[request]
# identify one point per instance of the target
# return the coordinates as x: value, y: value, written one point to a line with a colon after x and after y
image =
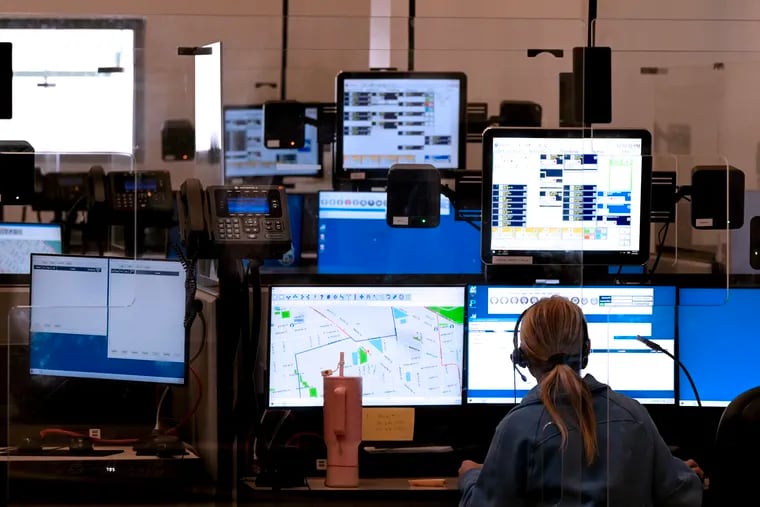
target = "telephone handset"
x: 192, y: 213
x: 240, y: 221
x: 140, y: 191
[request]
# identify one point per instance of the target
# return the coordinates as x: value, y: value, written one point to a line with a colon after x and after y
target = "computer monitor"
x: 387, y: 118
x: 715, y: 322
x: 615, y: 316
x: 107, y: 318
x: 246, y: 156
x: 354, y: 238
x: 405, y: 342
x: 566, y: 196
x: 18, y: 241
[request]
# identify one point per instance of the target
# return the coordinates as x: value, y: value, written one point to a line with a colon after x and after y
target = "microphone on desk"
x: 652, y: 345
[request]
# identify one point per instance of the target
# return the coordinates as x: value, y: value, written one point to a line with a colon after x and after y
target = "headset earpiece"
x: 586, y: 343
x: 517, y: 356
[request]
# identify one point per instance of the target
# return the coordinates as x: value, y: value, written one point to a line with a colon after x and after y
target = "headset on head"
x: 520, y: 359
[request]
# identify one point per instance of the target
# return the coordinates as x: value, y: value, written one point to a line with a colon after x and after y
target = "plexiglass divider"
x: 690, y: 97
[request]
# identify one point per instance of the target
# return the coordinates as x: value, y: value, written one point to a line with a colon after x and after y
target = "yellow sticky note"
x: 387, y: 424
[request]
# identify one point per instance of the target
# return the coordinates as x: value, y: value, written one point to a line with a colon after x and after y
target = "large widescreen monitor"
x: 566, y: 196
x: 354, y: 238
x: 615, y: 316
x: 246, y: 156
x: 714, y: 322
x: 19, y: 240
x: 108, y: 318
x: 405, y: 342
x: 387, y: 118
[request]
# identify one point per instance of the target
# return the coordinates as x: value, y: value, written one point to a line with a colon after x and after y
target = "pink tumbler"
x: 343, y: 429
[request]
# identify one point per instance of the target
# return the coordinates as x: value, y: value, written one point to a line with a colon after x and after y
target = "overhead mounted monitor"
x: 246, y: 156
x: 405, y: 342
x: 387, y: 118
x: 615, y: 316
x: 108, y: 319
x: 566, y: 196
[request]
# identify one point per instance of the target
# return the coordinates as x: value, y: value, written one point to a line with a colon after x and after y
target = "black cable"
x: 662, y: 235
x: 204, y: 335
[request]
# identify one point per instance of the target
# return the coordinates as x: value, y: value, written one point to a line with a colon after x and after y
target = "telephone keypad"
x: 248, y: 227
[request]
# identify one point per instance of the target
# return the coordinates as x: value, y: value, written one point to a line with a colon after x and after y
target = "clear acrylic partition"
x: 509, y: 56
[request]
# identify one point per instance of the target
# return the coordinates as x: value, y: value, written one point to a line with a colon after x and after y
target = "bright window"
x: 73, y: 84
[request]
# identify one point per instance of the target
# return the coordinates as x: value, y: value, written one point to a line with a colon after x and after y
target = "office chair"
x: 736, y: 468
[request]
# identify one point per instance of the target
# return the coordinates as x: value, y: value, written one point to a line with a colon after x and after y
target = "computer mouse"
x: 80, y: 445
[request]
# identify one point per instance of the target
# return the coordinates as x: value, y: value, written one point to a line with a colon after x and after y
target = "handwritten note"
x: 388, y: 424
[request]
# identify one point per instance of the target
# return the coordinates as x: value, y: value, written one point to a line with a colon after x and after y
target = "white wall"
x: 324, y: 37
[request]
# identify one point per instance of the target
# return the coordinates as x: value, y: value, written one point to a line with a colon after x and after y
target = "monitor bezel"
x: 362, y: 174
x: 676, y: 339
x: 568, y: 257
x: 11, y: 279
x: 268, y: 177
x: 186, y: 333
x: 267, y: 377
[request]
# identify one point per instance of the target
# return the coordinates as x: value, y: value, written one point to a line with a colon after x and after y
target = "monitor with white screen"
x: 19, y: 240
x: 387, y: 118
x: 354, y: 238
x: 615, y: 316
x: 714, y: 322
x: 405, y: 342
x: 246, y: 156
x: 108, y: 318
x: 566, y: 196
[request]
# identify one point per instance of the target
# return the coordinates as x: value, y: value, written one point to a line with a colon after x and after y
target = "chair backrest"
x: 736, y: 468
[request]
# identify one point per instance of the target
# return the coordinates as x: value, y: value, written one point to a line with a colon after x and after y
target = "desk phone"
x: 140, y: 191
x: 248, y: 221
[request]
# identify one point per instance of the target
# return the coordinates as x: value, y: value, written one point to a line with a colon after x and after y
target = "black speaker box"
x: 17, y: 176
x: 6, y: 80
x: 520, y: 113
x: 177, y: 140
x: 592, y: 84
x: 717, y: 197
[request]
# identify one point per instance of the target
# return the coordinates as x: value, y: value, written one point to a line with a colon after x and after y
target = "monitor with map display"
x: 18, y: 241
x: 405, y: 342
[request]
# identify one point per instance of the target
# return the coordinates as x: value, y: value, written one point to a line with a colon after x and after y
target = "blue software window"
x: 615, y: 316
x: 354, y: 238
x: 713, y: 323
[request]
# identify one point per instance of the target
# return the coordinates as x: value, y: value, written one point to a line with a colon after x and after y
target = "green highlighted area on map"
x: 453, y: 313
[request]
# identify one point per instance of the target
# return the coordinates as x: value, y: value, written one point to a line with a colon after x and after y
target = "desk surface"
x: 371, y: 484
x: 127, y: 454
x: 384, y: 484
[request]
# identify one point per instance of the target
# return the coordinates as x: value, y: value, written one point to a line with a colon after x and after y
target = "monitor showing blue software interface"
x: 566, y: 196
x: 718, y: 343
x: 245, y: 155
x: 405, y: 342
x: 615, y: 316
x: 354, y: 238
x: 106, y: 318
x: 19, y: 240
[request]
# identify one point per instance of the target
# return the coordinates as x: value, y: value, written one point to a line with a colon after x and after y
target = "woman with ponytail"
x: 572, y: 440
